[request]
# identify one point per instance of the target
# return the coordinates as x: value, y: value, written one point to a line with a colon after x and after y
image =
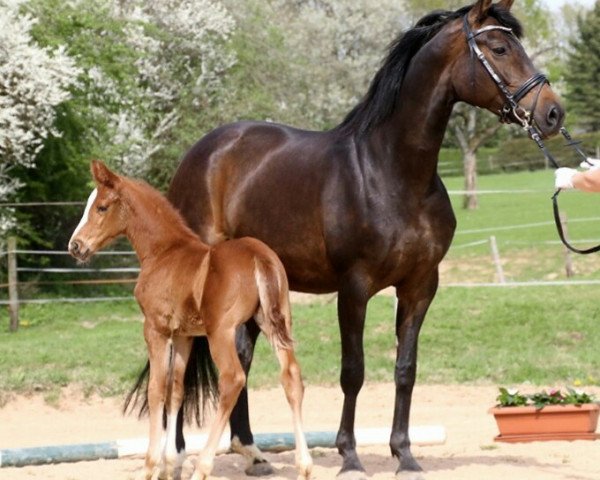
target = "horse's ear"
x: 102, y: 175
x: 506, y: 4
x: 479, y: 11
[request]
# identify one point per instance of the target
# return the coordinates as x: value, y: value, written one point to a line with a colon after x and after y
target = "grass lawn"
x: 546, y: 336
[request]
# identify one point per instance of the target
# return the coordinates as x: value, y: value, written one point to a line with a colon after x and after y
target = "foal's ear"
x: 479, y: 11
x: 506, y: 4
x: 102, y: 175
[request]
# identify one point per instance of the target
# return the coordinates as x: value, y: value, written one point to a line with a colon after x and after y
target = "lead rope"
x: 533, y: 133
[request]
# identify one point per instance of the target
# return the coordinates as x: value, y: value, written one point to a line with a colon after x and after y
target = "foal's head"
x: 104, y: 218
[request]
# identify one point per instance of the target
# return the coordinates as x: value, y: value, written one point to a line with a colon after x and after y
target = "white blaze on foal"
x: 86, y: 214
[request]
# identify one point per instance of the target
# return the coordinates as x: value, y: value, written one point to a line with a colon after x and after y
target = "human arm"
x: 587, y: 181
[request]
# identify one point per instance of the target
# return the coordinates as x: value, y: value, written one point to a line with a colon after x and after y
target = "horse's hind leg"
x: 231, y: 382
x: 242, y: 440
x: 413, y: 302
x: 291, y: 380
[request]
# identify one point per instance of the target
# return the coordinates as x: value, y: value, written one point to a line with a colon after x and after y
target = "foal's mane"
x: 138, y: 190
x: 380, y: 100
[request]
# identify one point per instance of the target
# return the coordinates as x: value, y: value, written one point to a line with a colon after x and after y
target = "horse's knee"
x: 405, y: 374
x: 352, y: 377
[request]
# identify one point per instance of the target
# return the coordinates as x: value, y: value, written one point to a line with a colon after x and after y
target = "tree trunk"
x: 470, y: 171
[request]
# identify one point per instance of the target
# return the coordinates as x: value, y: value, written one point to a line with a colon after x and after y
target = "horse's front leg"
x: 158, y: 353
x: 174, y: 445
x: 231, y: 382
x: 352, y: 306
x: 413, y: 302
x: 242, y: 440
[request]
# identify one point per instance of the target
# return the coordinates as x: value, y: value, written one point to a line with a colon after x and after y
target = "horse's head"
x: 103, y: 218
x: 492, y: 70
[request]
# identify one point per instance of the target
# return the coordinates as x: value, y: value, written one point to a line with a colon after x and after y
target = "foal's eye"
x: 499, y: 50
x: 101, y: 208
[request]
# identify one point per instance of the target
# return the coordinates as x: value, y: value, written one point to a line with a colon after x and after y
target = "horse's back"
x: 218, y: 166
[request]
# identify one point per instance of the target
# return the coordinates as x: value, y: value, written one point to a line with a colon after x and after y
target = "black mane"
x: 380, y: 100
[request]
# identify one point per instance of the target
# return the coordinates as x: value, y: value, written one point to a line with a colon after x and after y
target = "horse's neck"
x: 415, y: 130
x: 154, y: 228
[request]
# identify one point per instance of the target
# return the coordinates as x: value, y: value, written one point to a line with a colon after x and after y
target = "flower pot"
x: 554, y: 422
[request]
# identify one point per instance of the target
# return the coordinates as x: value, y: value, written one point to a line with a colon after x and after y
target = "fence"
x: 14, y: 301
x: 498, y: 257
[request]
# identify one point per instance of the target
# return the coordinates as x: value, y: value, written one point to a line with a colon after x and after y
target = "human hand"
x: 590, y: 164
x: 563, y: 177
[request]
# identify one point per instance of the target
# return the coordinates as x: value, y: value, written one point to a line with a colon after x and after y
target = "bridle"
x: 526, y: 117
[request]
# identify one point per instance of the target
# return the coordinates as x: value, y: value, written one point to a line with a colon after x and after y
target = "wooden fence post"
x: 497, y: 261
x: 13, y: 292
x: 568, y: 260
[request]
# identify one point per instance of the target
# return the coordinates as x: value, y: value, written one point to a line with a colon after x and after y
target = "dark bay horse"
x: 361, y: 207
x: 188, y: 289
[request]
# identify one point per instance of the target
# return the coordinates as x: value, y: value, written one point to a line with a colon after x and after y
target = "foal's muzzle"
x: 78, y: 250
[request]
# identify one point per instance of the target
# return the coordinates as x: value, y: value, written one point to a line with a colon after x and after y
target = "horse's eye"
x: 102, y: 208
x: 499, y: 50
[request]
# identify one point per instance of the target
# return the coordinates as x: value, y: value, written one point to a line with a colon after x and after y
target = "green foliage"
x: 541, y: 399
x: 511, y: 398
x: 583, y: 72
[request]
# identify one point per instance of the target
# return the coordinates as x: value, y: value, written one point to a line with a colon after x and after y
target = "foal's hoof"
x: 352, y: 475
x: 259, y: 468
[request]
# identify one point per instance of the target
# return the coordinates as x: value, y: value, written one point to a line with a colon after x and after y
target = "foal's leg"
x: 352, y: 306
x: 242, y: 440
x: 158, y: 354
x: 291, y: 380
x: 413, y: 302
x: 231, y: 382
x: 174, y: 453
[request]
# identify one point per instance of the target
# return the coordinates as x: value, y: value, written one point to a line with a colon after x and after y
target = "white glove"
x: 595, y: 164
x: 564, y: 177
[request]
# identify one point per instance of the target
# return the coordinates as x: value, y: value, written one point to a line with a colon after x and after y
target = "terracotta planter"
x: 555, y: 422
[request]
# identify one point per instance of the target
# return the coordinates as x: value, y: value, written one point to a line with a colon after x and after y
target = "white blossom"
x: 33, y: 81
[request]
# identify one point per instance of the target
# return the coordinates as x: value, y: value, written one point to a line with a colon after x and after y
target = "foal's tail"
x: 274, y: 317
x: 200, y: 383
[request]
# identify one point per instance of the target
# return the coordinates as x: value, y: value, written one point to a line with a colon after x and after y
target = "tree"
x: 583, y: 72
x: 33, y: 81
x: 141, y: 61
x: 472, y: 127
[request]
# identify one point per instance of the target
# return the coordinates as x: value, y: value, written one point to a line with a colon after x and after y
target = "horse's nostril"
x: 552, y: 117
x: 74, y: 246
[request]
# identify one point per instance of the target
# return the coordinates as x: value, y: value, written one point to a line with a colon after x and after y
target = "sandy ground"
x: 469, y: 452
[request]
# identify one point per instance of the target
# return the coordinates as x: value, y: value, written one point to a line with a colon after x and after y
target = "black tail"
x: 201, y: 385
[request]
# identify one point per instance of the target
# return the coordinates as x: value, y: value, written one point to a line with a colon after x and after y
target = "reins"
x: 525, y: 117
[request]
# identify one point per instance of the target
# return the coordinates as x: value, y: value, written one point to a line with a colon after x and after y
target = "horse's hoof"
x: 409, y: 475
x: 352, y: 475
x: 259, y: 468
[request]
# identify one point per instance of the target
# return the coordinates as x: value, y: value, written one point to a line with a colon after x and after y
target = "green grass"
x: 541, y: 335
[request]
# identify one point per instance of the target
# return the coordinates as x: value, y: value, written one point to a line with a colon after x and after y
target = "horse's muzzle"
x: 551, y: 120
x: 78, y: 250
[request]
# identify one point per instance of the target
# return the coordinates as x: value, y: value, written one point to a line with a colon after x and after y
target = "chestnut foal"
x: 186, y: 289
